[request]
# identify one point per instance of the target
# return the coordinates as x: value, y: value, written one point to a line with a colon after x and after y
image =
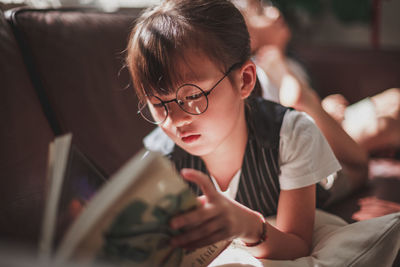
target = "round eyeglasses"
x: 189, y: 97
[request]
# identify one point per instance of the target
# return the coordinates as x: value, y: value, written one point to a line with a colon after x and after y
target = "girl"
x: 251, y: 158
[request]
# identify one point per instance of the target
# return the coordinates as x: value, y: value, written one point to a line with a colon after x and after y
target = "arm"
x: 219, y: 218
x: 292, y: 236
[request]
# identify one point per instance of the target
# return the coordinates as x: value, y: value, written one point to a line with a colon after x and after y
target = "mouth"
x: 190, y: 138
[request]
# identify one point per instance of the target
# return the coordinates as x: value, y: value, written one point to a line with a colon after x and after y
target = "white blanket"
x: 373, y: 242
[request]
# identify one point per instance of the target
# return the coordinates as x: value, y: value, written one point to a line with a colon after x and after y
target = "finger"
x: 202, y: 180
x: 194, y: 217
x: 202, y: 200
x: 208, y: 240
x: 197, y: 233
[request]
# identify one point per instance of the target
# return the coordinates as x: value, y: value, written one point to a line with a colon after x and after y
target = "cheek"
x: 224, y: 107
x: 224, y: 97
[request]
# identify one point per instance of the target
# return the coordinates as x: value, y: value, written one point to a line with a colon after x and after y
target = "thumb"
x: 202, y: 180
x: 202, y: 200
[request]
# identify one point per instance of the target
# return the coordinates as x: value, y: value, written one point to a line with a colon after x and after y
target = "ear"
x: 248, y: 77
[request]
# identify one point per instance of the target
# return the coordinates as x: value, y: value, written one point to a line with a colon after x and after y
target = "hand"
x: 335, y: 105
x: 372, y: 207
x: 217, y: 218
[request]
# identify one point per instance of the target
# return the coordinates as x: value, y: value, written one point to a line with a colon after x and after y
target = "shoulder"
x: 265, y: 119
x: 266, y: 107
x: 299, y: 132
x: 305, y: 156
x: 299, y: 129
x: 159, y: 141
x: 295, y: 122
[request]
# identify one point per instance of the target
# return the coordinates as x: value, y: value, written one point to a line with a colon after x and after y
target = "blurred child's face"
x: 266, y: 26
x: 219, y: 124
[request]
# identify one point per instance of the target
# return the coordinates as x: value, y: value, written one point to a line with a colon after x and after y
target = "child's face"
x: 220, y: 124
x: 266, y: 26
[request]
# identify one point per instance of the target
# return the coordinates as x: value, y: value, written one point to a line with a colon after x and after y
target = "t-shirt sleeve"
x: 305, y: 157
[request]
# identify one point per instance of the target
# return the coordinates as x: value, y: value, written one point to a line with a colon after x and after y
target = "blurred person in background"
x: 284, y: 80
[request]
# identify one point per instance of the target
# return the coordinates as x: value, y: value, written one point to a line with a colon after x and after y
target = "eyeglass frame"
x: 176, y: 100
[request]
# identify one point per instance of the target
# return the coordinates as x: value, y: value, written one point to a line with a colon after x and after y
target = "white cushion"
x: 373, y: 242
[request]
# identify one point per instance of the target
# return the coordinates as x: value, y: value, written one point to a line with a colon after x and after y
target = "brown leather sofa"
x: 62, y: 71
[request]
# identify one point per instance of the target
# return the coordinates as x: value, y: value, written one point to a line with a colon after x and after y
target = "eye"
x: 155, y: 102
x: 158, y: 105
x: 194, y: 96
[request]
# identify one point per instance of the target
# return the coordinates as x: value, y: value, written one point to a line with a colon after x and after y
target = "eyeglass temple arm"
x: 223, y: 77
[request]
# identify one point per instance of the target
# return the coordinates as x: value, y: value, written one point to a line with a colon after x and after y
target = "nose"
x: 177, y: 116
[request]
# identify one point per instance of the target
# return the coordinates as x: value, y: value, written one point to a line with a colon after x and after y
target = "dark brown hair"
x: 164, y: 33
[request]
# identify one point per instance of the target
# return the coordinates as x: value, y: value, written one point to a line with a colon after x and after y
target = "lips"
x: 190, y: 138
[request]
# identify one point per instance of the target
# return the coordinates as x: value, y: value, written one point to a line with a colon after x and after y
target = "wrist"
x: 260, y: 234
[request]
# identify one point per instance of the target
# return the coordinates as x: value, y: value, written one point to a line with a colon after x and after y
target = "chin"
x: 196, y: 150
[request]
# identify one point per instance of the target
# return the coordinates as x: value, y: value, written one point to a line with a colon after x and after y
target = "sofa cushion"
x: 24, y: 138
x: 77, y: 60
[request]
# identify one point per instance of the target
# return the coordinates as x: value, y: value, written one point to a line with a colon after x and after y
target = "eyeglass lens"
x: 190, y: 98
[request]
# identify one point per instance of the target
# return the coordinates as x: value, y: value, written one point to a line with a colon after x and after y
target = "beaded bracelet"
x: 263, y: 235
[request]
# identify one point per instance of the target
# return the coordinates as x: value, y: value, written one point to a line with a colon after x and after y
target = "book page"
x: 71, y: 182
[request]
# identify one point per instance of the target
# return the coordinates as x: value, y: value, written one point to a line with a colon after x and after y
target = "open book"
x: 122, y: 220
